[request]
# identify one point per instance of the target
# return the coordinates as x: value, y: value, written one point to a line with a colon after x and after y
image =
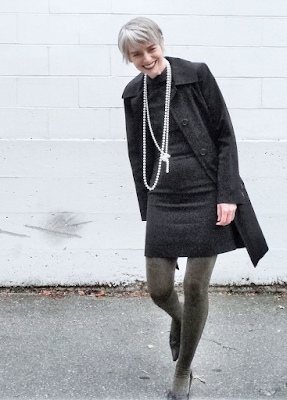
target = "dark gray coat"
x: 199, y: 109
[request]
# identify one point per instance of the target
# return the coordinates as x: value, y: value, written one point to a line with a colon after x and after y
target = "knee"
x: 160, y: 278
x: 194, y: 291
x: 160, y: 295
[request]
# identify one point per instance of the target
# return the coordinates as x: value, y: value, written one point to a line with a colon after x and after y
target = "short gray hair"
x: 137, y: 31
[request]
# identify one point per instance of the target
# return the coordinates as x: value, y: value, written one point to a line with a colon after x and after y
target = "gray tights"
x: 189, y: 320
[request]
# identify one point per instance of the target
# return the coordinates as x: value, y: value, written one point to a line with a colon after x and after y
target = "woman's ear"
x: 162, y: 43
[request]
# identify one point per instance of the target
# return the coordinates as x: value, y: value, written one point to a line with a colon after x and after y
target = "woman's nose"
x: 146, y: 57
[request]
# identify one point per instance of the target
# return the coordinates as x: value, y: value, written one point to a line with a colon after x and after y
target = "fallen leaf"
x: 200, y: 378
x: 45, y: 293
x: 102, y: 293
x: 81, y: 293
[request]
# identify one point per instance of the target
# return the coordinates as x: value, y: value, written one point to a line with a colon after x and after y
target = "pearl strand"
x: 163, y: 150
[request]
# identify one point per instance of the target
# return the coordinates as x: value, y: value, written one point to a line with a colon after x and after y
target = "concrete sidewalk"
x: 82, y: 347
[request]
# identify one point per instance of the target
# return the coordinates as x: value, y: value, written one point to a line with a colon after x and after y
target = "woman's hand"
x: 225, y: 213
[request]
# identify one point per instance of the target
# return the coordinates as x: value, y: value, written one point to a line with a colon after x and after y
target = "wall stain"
x: 13, y: 234
x: 62, y: 224
x: 81, y: 223
x: 52, y: 232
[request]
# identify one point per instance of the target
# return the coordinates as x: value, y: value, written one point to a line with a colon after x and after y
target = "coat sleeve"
x: 134, y: 141
x: 230, y: 186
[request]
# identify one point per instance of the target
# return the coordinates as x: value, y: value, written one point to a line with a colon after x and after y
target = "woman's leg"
x: 196, y: 283
x: 160, y: 281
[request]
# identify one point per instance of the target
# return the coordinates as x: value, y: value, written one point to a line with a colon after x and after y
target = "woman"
x: 183, y: 156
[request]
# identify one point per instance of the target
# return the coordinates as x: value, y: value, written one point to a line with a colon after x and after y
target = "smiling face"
x: 147, y: 58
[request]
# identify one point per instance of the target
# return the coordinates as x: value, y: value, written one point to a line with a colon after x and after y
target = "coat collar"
x: 183, y: 72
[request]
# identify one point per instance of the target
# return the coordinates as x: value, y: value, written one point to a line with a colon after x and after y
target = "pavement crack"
x: 220, y: 344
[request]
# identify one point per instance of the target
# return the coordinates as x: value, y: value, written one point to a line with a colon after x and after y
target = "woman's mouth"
x: 150, y: 66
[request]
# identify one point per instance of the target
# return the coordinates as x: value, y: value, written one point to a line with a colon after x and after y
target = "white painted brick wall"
x: 68, y: 210
x: 275, y: 32
x: 101, y: 92
x: 274, y: 93
x: 48, y: 29
x: 69, y: 123
x: 81, y: 7
x: 48, y: 92
x: 8, y: 92
x: 8, y: 31
x: 93, y: 28
x: 23, y: 123
x: 23, y: 60
x: 80, y: 60
x: 261, y: 124
x: 27, y: 6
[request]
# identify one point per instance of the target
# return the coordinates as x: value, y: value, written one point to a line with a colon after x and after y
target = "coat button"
x: 202, y: 152
x: 184, y: 122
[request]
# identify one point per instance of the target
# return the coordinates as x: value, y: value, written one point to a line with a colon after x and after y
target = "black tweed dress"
x: 182, y: 209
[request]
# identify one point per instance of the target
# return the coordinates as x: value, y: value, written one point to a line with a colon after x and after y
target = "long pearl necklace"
x: 163, y: 150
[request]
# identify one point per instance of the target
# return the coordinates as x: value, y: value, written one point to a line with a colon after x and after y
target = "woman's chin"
x: 151, y: 72
x: 156, y: 70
